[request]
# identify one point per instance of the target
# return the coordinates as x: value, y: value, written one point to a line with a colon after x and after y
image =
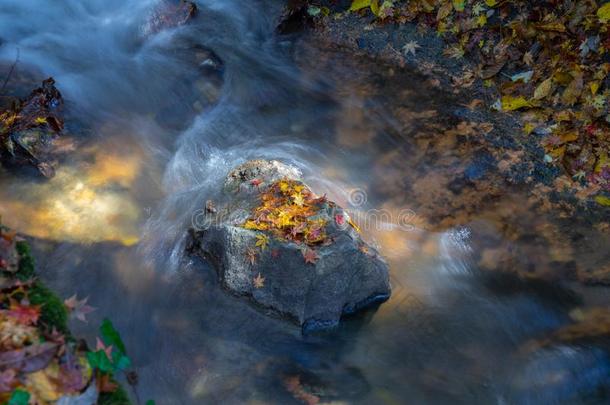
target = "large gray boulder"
x: 291, y: 252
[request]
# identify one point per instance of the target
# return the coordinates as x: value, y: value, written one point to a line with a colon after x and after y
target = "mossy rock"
x: 53, y: 311
x: 55, y: 315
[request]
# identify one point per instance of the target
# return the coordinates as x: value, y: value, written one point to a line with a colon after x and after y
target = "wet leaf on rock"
x: 310, y: 256
x: 262, y: 241
x: 259, y: 281
x: 29, y: 359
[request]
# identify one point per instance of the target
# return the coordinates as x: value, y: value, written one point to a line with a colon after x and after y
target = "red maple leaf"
x: 23, y: 314
x: 256, y: 182
x: 310, y: 256
x: 340, y: 219
x: 298, y: 229
x: 315, y: 233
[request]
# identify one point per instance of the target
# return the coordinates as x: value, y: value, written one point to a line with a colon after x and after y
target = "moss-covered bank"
x: 34, y: 327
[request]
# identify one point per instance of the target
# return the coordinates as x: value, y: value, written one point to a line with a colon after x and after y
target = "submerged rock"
x: 292, y: 252
x: 169, y: 14
x: 27, y: 129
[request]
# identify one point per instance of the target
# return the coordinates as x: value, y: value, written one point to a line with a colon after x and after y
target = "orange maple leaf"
x: 26, y: 315
x: 310, y: 256
x: 251, y: 256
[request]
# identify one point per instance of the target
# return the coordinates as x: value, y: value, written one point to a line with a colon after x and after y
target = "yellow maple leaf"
x: 297, y: 198
x: 510, y: 103
x: 253, y: 225
x: 603, y: 13
x: 284, y: 219
x: 601, y: 200
x: 284, y: 186
x: 262, y: 241
x: 41, y: 384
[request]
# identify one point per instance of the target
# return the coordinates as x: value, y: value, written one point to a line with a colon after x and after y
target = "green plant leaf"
x: 120, y: 361
x: 111, y: 336
x: 99, y: 360
x: 19, y: 397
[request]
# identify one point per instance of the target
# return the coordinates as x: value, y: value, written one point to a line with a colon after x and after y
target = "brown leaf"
x: 574, y: 89
x: 551, y: 26
x: 105, y: 384
x: 29, y: 359
x: 491, y: 70
x: 444, y: 10
x: 544, y: 89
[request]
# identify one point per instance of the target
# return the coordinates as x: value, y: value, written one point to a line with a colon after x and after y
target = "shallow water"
x: 157, y: 132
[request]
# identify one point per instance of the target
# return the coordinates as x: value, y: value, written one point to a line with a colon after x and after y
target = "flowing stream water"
x: 159, y: 123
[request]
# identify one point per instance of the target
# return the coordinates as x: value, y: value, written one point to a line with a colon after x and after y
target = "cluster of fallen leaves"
x: 289, y: 211
x: 40, y: 362
x: 548, y: 59
x: 29, y: 126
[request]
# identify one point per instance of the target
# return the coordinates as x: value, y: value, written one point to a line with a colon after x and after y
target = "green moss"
x: 53, y: 312
x: 118, y: 397
x: 26, y: 262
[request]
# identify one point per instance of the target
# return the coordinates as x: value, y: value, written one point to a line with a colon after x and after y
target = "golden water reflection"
x: 88, y: 201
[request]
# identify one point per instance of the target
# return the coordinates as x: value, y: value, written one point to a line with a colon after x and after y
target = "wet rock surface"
x: 29, y: 127
x: 169, y: 14
x: 312, y: 268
